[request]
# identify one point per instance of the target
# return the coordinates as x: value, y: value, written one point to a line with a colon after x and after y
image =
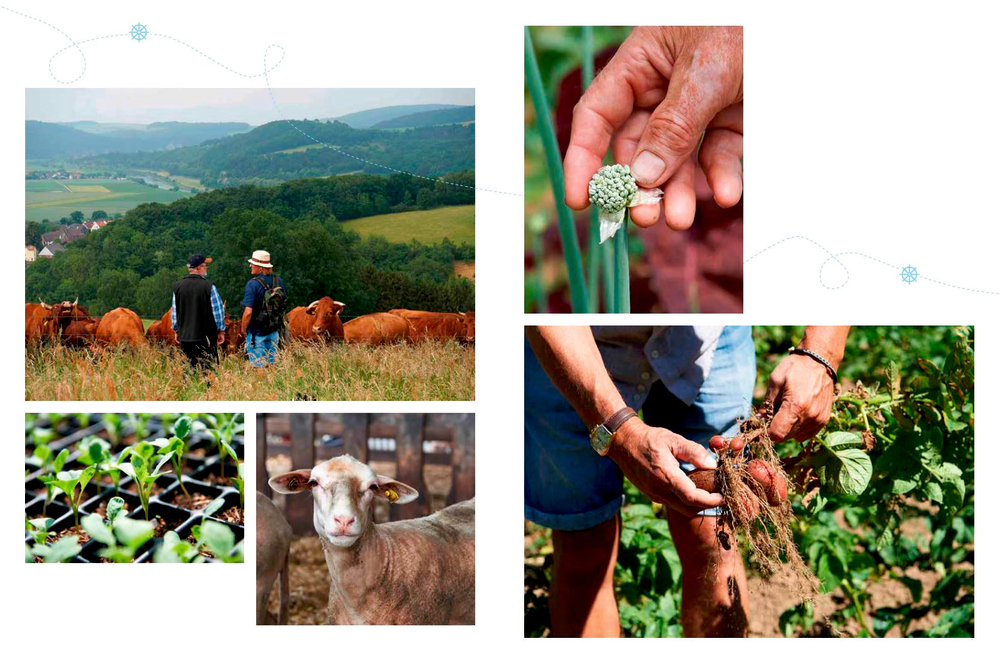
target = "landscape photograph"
x: 250, y: 244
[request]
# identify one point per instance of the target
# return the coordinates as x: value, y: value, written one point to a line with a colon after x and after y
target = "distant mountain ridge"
x: 430, y: 118
x: 45, y: 140
x: 369, y: 118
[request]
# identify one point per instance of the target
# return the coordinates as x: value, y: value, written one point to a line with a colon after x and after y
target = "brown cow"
x: 235, y: 337
x: 377, y: 328
x: 120, y: 325
x: 317, y: 322
x: 45, y: 322
x: 470, y: 326
x: 432, y: 324
x: 160, y: 332
x: 80, y: 333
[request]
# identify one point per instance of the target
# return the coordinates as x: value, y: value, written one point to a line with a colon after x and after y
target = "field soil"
x: 422, y: 371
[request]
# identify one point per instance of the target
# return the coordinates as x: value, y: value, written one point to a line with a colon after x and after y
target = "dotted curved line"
x: 836, y: 256
x: 229, y: 69
x: 72, y: 43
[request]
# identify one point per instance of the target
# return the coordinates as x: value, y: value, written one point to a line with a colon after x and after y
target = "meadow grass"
x: 457, y: 223
x: 422, y: 371
x: 54, y: 199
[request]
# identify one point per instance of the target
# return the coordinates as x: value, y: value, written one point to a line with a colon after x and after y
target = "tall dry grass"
x: 423, y: 371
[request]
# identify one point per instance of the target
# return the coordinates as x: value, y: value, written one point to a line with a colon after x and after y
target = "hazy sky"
x: 142, y: 106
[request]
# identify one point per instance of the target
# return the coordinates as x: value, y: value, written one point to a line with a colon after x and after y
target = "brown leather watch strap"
x: 616, y: 420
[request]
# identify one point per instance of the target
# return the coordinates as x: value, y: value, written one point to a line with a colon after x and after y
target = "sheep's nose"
x: 344, y: 521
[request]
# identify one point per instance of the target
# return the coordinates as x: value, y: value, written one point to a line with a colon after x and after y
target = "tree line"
x: 133, y: 261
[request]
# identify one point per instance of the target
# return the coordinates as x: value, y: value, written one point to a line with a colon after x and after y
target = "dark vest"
x: 195, y: 322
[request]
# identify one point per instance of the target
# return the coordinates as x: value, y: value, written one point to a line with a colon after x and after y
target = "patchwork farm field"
x: 457, y: 223
x: 54, y: 199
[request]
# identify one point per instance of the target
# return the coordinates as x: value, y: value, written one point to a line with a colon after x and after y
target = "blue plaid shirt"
x: 217, y: 311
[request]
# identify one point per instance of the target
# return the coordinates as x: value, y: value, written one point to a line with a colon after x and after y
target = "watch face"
x: 600, y: 439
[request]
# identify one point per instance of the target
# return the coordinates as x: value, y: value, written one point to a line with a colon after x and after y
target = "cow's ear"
x: 396, y: 492
x: 291, y: 482
x: 338, y: 308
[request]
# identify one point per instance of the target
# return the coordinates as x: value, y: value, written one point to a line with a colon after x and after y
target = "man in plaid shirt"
x: 198, y: 315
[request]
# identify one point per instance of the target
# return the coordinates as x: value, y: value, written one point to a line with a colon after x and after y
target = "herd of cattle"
x: 69, y: 323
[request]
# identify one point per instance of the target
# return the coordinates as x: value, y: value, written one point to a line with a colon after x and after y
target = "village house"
x: 30, y: 253
x: 51, y: 250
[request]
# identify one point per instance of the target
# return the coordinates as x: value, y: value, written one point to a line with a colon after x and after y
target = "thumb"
x: 696, y: 93
x: 693, y: 453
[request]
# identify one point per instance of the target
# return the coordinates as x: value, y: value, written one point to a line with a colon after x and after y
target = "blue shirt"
x: 253, y: 295
x: 218, y: 312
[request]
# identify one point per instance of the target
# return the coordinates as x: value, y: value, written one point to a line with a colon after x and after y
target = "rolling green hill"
x: 47, y: 140
x: 367, y: 118
x: 276, y: 152
x: 428, y: 226
x: 430, y: 118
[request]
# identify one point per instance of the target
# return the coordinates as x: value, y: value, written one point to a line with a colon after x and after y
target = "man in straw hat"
x: 264, y: 303
x: 197, y: 314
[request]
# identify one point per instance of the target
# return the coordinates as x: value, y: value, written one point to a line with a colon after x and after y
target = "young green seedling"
x: 101, y: 529
x: 38, y: 528
x: 238, y: 481
x: 177, y: 446
x: 60, y: 551
x: 225, y: 427
x: 113, y: 426
x: 122, y: 538
x: 40, y: 456
x: 52, y: 490
x: 142, y: 470
x: 175, y: 550
x: 73, y: 483
x: 96, y: 453
x: 140, y: 421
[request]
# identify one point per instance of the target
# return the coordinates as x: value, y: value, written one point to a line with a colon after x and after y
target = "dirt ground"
x: 309, y: 579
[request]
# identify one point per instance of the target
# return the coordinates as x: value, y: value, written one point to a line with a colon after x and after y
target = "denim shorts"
x: 568, y: 486
x: 262, y: 348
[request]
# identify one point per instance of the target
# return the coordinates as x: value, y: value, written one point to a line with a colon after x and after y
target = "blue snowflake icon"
x: 909, y: 274
x: 139, y: 32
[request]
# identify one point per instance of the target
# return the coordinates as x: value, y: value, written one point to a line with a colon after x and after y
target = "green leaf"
x: 933, y: 491
x: 95, y: 527
x: 61, y: 550
x: 843, y: 468
x: 214, y: 506
x: 133, y: 533
x: 115, y: 506
x: 182, y: 427
x: 218, y: 538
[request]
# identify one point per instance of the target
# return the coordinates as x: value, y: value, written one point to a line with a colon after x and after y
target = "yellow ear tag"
x: 391, y: 494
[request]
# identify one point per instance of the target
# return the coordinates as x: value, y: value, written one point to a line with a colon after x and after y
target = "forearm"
x: 828, y: 341
x: 246, y: 318
x: 572, y: 361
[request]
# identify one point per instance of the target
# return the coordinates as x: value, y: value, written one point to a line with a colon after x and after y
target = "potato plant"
x: 885, y: 494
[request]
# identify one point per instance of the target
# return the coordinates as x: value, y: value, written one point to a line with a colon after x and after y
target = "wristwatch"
x: 601, y: 435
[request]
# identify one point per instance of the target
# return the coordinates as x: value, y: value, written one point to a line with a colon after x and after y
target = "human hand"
x: 664, y: 87
x: 221, y: 337
x: 650, y: 457
x: 802, y: 392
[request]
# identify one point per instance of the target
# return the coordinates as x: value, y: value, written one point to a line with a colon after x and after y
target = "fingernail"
x: 710, y: 461
x: 647, y: 167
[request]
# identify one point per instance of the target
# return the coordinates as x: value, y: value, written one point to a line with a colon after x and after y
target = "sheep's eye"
x: 312, y: 483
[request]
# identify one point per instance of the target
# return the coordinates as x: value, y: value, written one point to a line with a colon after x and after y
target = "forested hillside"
x: 430, y: 118
x: 133, y: 261
x: 279, y: 151
x: 47, y: 140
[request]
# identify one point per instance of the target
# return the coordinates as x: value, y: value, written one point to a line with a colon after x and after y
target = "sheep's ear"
x: 396, y: 492
x: 290, y: 482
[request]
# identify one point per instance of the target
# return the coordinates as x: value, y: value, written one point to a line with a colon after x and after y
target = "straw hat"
x: 261, y: 259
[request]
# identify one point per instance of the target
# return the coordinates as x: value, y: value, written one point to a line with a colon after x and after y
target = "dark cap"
x: 197, y: 259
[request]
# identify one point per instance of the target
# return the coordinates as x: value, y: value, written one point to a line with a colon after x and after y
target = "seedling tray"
x: 167, y: 504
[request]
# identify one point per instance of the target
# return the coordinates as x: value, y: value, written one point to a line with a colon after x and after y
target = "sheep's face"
x: 343, y: 491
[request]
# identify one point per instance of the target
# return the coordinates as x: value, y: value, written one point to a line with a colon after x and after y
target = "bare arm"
x: 802, y: 389
x: 247, y: 312
x: 648, y: 456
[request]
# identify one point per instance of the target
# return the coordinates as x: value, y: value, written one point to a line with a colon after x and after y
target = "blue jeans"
x: 262, y: 348
x: 568, y: 486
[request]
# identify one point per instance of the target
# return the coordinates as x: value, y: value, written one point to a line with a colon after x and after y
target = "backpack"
x: 271, y: 314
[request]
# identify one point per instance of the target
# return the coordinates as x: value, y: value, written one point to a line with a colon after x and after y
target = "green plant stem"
x: 858, y: 609
x: 553, y: 160
x: 607, y: 263
x: 594, y: 253
x: 622, y: 296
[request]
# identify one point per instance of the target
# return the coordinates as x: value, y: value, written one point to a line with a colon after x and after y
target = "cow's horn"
x: 76, y: 301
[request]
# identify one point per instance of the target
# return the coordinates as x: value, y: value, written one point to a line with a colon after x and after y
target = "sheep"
x: 274, y: 535
x: 419, y: 571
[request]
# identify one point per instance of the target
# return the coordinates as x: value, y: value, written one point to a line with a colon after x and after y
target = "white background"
x: 869, y: 129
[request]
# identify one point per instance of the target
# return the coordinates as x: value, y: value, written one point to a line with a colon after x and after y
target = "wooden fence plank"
x: 410, y: 464
x: 262, y: 455
x: 299, y: 506
x: 355, y: 436
x: 463, y: 482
